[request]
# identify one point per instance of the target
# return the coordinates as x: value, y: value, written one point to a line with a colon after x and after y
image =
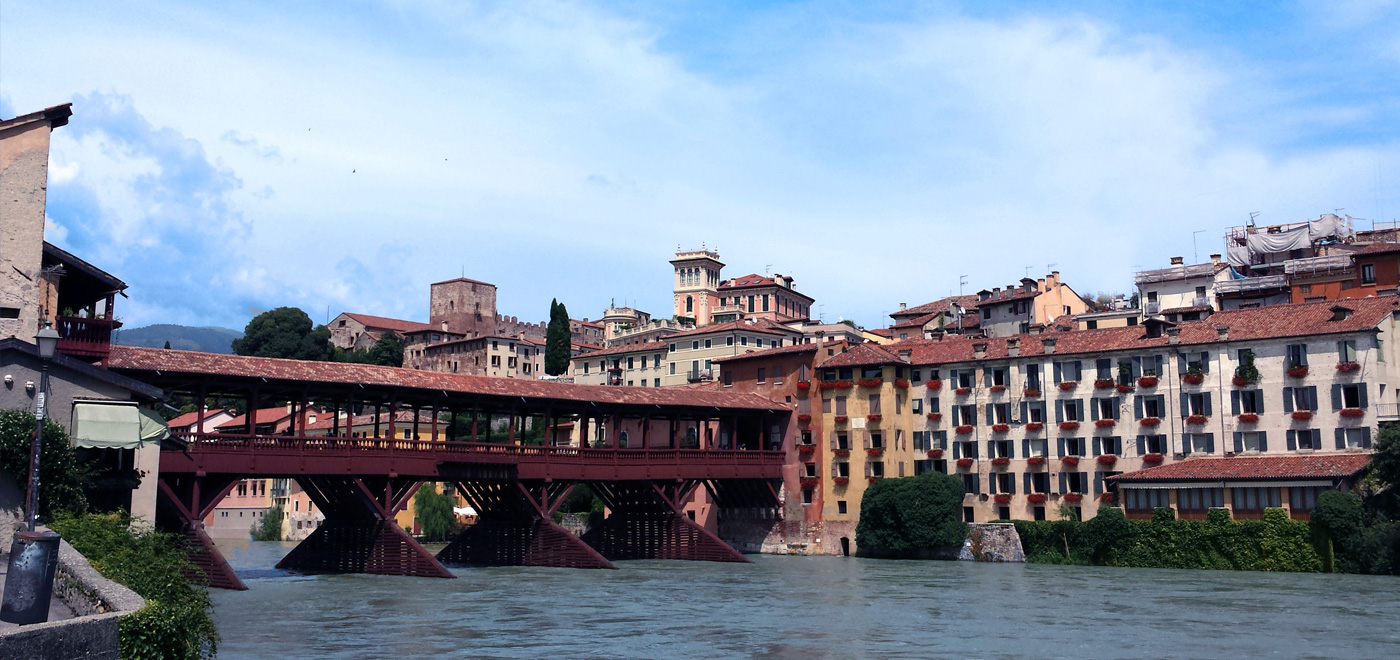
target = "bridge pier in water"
x: 516, y: 527
x: 182, y: 504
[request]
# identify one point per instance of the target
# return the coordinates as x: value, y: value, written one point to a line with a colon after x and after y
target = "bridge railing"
x: 243, y: 443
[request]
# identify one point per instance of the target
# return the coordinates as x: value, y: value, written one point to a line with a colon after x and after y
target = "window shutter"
x: 1185, y: 404
x: 933, y: 404
x: 1094, y: 410
x: 1361, y: 388
x: 1205, y: 404
x: 1259, y: 401
x: 1061, y: 442
x: 1292, y: 437
x: 1142, y: 445
x: 1263, y: 442
x: 1063, y: 478
x: 1210, y: 443
x: 1059, y: 411
x: 1098, y: 447
x: 868, y: 471
x: 1336, y: 397
x: 834, y: 472
x: 874, y: 404
x: 1137, y: 367
x: 1098, y: 483
x: 1026, y: 481
x: 1116, y: 406
x: 1341, y: 351
x: 1312, y: 397
x: 1239, y: 442
x: 1205, y: 361
x: 1137, y: 407
x: 1056, y: 369
x: 1010, y: 449
x: 1341, y: 434
x: 987, y: 376
x: 1011, y: 484
x: 1366, y: 437
x: 1288, y: 399
x: 867, y: 438
x: 1026, y: 447
x: 1234, y: 402
x: 992, y: 484
x: 973, y: 447
x: 834, y: 444
x: 1180, y: 363
x: 990, y: 418
x: 957, y: 450
x: 957, y: 417
x: 1025, y: 412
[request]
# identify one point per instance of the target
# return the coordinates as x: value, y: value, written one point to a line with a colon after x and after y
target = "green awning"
x: 114, y: 425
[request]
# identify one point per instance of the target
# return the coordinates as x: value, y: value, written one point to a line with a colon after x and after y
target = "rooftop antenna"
x: 1028, y: 271
x: 962, y: 280
x: 1050, y: 268
x: 1252, y: 216
x: 766, y: 268
x: 1195, y: 258
x: 821, y: 313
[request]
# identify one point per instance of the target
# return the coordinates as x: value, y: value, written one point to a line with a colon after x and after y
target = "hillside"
x: 183, y: 337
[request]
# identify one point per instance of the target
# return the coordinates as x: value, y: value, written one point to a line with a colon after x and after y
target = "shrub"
x: 175, y: 622
x: 60, y: 476
x: 909, y: 516
x: 269, y: 528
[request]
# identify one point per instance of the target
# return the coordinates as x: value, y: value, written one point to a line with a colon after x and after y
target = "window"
x: 840, y: 506
x: 1354, y: 438
x: 708, y: 343
x: 999, y: 449
x: 1368, y: 273
x: 1188, y: 361
x: 840, y: 405
x: 962, y: 377
x: 994, y: 376
x: 1033, y: 376
x: 1106, y: 407
x: 1297, y: 355
x: 921, y: 441
x: 877, y: 468
x: 1002, y: 482
x: 1037, y: 482
x: 1035, y: 447
x: 1299, y: 398
x: 970, y: 484
x: 826, y: 405
x: 1199, y: 499
x: 917, y: 406
x: 743, y: 341
x: 846, y: 373
x: 1152, y: 444
x: 843, y: 441
x: 872, y: 372
x: 695, y: 344
x: 1108, y: 445
x: 656, y: 382
x: 1250, y: 441
x: 1144, y: 499
x: 629, y: 363
x: 673, y: 368
x: 1033, y: 411
x: 965, y: 415
x: 672, y: 348
x: 1246, y: 401
x: 933, y: 404
x: 1074, y: 482
x: 877, y: 440
x: 998, y: 413
x: 1196, y: 403
x: 1349, y: 396
x: 1067, y: 371
x: 1149, y: 406
x: 1304, y: 439
x: 1304, y: 498
x: 1069, y: 410
x: 729, y: 341
x: 728, y: 377
x: 1071, y: 446
x: 1346, y: 350
x: 806, y: 495
x: 1198, y: 443
x: 777, y: 375
x: 964, y: 449
x: 1103, y: 368
x: 1255, y: 499
x: 762, y: 375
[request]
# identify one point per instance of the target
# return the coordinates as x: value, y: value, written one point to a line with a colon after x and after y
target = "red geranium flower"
x: 1070, y: 460
x: 1000, y: 428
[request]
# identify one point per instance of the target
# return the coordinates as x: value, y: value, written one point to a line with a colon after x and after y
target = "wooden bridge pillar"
x: 516, y: 528
x: 359, y: 534
x: 648, y: 521
x: 181, y: 506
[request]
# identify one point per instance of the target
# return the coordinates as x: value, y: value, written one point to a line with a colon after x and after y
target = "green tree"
x: 285, y: 332
x: 388, y: 351
x: 557, y: 343
x: 911, y: 516
x: 60, y: 475
x: 1385, y: 464
x: 270, y: 527
x: 167, y: 344
x: 433, y: 511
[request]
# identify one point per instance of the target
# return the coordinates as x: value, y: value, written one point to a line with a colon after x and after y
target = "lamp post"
x: 47, y: 339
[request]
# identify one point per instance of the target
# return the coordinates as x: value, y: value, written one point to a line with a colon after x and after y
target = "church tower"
x: 697, y: 283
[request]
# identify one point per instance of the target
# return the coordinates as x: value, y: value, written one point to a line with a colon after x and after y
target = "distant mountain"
x: 183, y: 337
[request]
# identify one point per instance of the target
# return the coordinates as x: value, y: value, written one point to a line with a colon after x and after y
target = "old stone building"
x: 24, y: 177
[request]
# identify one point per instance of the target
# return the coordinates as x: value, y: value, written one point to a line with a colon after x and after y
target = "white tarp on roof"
x: 1293, y: 237
x: 1296, y: 238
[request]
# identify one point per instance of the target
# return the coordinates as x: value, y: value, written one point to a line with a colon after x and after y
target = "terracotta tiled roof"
x: 463, y: 279
x: 771, y: 352
x: 1272, y: 322
x: 188, y: 419
x: 403, y: 417
x: 1020, y: 294
x: 262, y: 416
x: 754, y: 325
x: 752, y: 279
x: 137, y: 360
x: 643, y: 347
x: 1245, y: 468
x: 915, y: 322
x: 590, y: 324
x: 1377, y: 248
x: 385, y: 323
x: 940, y: 305
x: 584, y: 346
x: 882, y: 332
x: 864, y: 355
x: 1187, y: 310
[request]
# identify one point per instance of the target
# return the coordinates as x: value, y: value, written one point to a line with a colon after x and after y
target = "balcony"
x: 696, y: 376
x: 1153, y: 307
x: 1386, y: 412
x: 88, y: 338
x: 1252, y: 285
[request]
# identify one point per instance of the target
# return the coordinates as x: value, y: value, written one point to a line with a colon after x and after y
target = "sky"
x: 229, y: 158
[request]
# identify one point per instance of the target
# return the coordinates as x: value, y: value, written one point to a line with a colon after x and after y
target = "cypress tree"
x: 557, y: 342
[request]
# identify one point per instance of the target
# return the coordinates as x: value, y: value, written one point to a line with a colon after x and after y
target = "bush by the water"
x: 269, y: 526
x: 911, y: 516
x: 1110, y: 539
x: 175, y: 623
x: 1355, y: 537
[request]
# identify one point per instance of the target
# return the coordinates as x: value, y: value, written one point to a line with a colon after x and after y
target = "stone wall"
x: 992, y: 542
x: 24, y: 175
x: 768, y: 536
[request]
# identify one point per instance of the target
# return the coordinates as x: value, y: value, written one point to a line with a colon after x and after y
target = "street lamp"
x: 47, y: 339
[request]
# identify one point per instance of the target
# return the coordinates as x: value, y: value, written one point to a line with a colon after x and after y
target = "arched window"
x: 689, y: 305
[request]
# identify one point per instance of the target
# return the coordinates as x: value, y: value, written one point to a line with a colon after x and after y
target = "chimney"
x: 903, y: 306
x: 979, y: 350
x: 1013, y: 347
x: 996, y: 292
x: 1215, y: 259
x: 1048, y: 343
x: 1177, y: 261
x: 1040, y: 284
x: 1222, y: 332
x: 1034, y: 329
x: 1173, y: 335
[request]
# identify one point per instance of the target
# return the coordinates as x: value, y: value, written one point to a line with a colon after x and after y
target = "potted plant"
x: 1124, y: 389
x: 1105, y: 423
x: 1196, y: 419
x: 804, y: 418
x: 1068, y: 385
x: 1034, y: 426
x: 1148, y: 379
x: 841, y: 452
x: 1107, y: 459
x: 935, y: 417
x: 901, y: 383
x: 1071, y: 461
x: 1152, y: 458
x: 873, y: 417
x: 804, y: 385
x: 1246, y: 372
x: 1031, y: 392
x: 1150, y: 422
x: 808, y: 482
x: 1106, y: 498
x: 841, y: 481
x: 840, y: 419
x: 870, y: 382
x: 963, y: 391
x: 963, y: 430
x: 1001, y: 461
x: 1302, y: 415
x: 1296, y: 370
x: 935, y: 453
x: 1249, y: 418
x: 934, y: 384
x: 996, y: 389
x: 1194, y: 376
x: 1035, y: 461
x: 1347, y: 367
x: 871, y: 480
x: 1103, y: 383
x: 836, y: 385
x: 874, y: 451
x: 1000, y: 428
x: 1002, y: 498
x: 1353, y: 412
x: 1074, y: 497
x: 964, y: 462
x: 1069, y: 426
x: 1036, y: 498
x: 806, y: 449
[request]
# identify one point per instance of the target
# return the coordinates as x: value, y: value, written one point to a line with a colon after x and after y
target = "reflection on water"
x: 804, y: 607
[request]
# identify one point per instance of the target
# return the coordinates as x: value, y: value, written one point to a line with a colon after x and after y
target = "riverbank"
x: 805, y: 607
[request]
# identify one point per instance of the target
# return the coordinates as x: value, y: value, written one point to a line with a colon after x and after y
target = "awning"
x: 114, y: 425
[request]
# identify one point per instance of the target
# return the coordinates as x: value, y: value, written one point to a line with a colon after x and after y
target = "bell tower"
x: 697, y: 274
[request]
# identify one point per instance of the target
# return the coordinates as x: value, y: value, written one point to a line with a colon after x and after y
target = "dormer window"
x: 1340, y: 313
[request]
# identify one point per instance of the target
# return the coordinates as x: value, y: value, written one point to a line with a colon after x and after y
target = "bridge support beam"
x: 648, y: 521
x: 359, y: 534
x: 516, y: 528
x: 181, y: 506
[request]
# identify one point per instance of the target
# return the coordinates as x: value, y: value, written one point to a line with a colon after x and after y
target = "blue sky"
x: 224, y: 159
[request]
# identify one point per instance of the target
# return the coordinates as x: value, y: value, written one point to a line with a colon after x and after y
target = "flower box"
x: 1034, y: 426
x: 806, y: 449
x: 1152, y: 458
x: 1035, y: 461
x: 935, y: 417
x: 935, y: 453
x: 1069, y: 426
x: 1353, y: 412
x: 1194, y: 379
x: 808, y: 482
x: 1106, y: 498
x: 1124, y: 389
x: 1150, y: 421
x: 1297, y: 372
x: 1302, y: 415
x: 1248, y: 418
x: 841, y: 481
x: 901, y: 383
x: 1105, y: 423
x: 1196, y: 419
x: 1000, y: 428
x: 1001, y: 461
x: 840, y: 419
x: 870, y: 382
x: 1347, y: 367
x: 963, y: 430
x: 996, y: 389
x: 836, y: 385
x: 1074, y: 497
x: 1036, y: 498
x: 1103, y: 383
x: 804, y: 418
x: 804, y: 385
x: 964, y: 462
x: 874, y: 451
x: 841, y: 452
x: 1002, y: 498
x: 1031, y: 392
x: 1239, y: 381
x: 963, y: 391
x: 1147, y: 381
x: 1107, y: 459
x: 1068, y: 385
x: 873, y: 417
x: 871, y: 480
x: 934, y: 384
x: 1069, y: 460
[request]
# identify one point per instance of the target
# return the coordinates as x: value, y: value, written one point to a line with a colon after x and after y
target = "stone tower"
x: 463, y: 306
x: 24, y: 180
x: 697, y: 283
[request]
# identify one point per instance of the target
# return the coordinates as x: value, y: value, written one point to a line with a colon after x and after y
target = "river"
x: 804, y: 607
